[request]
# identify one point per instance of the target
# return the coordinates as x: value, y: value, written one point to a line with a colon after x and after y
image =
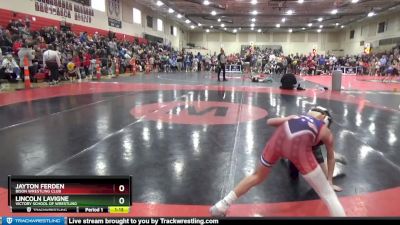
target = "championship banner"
x: 66, y: 9
x: 114, y: 13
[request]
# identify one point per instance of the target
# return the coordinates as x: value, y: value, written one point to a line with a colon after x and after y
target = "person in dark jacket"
x: 288, y: 81
x: 222, y: 62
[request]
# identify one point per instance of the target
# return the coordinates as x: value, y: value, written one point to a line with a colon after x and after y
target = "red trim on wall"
x: 7, y: 15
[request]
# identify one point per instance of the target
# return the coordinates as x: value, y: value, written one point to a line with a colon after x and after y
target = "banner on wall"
x: 114, y: 9
x: 64, y: 9
x: 114, y: 23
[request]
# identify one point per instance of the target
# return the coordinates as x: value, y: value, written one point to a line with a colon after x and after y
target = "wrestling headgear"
x: 325, y: 112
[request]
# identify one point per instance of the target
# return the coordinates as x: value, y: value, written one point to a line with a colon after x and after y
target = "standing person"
x: 222, y: 62
x: 293, y: 139
x: 200, y: 59
x: 86, y: 62
x: 27, y: 51
x: 77, y: 62
x: 51, y: 60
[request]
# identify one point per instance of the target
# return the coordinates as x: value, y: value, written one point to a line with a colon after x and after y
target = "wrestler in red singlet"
x: 294, y: 140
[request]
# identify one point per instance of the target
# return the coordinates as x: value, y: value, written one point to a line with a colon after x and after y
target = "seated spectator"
x: 17, y: 46
x: 10, y: 69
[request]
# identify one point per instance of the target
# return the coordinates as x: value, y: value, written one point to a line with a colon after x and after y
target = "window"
x: 99, y: 5
x: 149, y: 20
x: 381, y: 27
x: 159, y: 25
x: 137, y: 16
x: 352, y: 34
x: 175, y: 31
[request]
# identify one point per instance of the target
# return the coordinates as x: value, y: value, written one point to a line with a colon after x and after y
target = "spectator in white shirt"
x: 51, y: 60
x: 10, y: 67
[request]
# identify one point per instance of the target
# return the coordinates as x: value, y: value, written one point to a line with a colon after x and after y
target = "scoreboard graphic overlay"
x: 87, y: 194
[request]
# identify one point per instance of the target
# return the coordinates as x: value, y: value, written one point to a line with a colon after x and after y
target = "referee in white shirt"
x: 51, y: 60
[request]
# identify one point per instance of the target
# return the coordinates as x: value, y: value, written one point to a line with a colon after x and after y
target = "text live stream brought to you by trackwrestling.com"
x: 177, y: 220
x: 95, y: 221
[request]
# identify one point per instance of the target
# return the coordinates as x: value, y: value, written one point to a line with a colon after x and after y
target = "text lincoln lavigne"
x: 44, y: 200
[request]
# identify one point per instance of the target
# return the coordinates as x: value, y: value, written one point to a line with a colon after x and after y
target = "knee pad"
x: 320, y: 184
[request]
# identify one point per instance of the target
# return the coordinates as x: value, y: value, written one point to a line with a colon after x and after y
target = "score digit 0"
x: 121, y: 200
x: 121, y: 188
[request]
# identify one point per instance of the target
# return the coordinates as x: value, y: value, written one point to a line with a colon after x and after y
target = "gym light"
x: 213, y: 13
x: 320, y: 19
x: 254, y: 12
x: 290, y: 30
x: 278, y: 25
x: 309, y: 25
x: 160, y: 3
x: 253, y: 2
x: 371, y: 14
x: 334, y: 11
x: 179, y: 16
x: 290, y: 12
x: 259, y: 30
x: 206, y: 2
x: 300, y: 1
x: 171, y: 10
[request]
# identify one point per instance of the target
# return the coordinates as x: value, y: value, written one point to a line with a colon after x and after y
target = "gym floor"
x: 187, y: 139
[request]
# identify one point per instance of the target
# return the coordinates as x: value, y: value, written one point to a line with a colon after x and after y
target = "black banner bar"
x: 44, y: 209
x: 219, y: 221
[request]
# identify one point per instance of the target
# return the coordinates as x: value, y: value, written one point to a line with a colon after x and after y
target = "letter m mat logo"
x: 199, y: 112
x: 194, y: 111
